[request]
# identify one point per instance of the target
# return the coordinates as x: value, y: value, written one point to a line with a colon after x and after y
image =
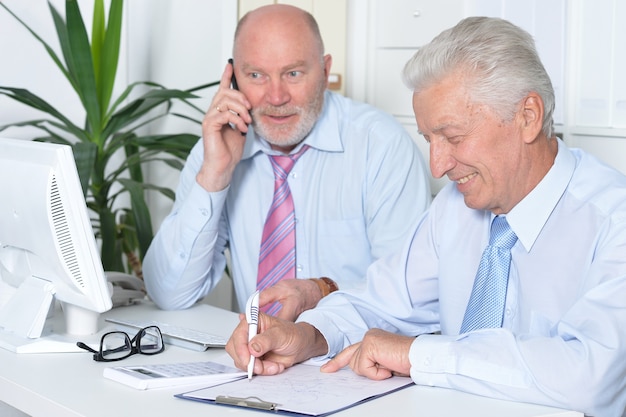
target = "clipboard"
x: 302, y: 390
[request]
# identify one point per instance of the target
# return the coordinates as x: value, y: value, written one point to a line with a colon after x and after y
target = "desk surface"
x: 71, y: 384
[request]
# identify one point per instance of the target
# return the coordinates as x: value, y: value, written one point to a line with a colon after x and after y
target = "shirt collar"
x: 325, y: 135
x: 529, y: 216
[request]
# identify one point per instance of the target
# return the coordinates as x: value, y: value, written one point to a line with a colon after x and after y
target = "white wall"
x: 596, y: 86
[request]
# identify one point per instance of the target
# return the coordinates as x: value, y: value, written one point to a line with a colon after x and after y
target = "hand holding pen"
x: 252, y: 317
x: 278, y: 344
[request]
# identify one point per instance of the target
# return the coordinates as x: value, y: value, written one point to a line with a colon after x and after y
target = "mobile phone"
x: 233, y: 80
x: 234, y: 86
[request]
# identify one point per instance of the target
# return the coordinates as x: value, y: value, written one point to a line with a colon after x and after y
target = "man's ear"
x: 328, y: 61
x: 531, y: 116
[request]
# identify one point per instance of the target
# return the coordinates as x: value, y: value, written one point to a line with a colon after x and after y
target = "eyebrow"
x: 438, y: 128
x: 286, y: 68
x: 294, y: 65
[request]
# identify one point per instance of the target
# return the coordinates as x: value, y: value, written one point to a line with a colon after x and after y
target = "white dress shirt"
x: 563, y: 341
x: 357, y: 192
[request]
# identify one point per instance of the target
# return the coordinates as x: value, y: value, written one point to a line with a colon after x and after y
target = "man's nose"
x: 277, y: 92
x: 441, y: 160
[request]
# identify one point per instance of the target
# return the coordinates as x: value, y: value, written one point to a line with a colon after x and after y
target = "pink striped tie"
x: 277, y: 258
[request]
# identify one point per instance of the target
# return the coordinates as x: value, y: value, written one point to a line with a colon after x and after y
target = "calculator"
x: 173, y: 374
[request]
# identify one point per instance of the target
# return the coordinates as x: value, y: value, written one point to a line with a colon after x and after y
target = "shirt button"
x: 427, y: 361
x: 299, y: 268
x: 204, y: 212
x: 181, y: 255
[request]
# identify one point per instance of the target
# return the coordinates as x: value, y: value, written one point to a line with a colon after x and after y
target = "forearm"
x: 185, y: 259
x: 494, y: 363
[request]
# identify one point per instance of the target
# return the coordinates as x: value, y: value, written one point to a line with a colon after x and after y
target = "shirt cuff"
x: 431, y: 359
x: 327, y: 328
x: 200, y: 208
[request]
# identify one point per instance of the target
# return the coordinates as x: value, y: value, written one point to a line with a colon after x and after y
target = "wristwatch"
x: 326, y: 285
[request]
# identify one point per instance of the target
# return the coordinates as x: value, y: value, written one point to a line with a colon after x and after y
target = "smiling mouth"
x: 465, y: 178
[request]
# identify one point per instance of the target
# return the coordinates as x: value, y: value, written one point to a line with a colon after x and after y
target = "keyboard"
x: 176, y: 335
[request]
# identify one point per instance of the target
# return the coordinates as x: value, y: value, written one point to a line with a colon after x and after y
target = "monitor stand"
x: 52, y: 343
x: 27, y: 325
x: 54, y: 338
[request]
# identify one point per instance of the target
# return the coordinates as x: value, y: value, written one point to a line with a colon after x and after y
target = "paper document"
x: 301, y: 389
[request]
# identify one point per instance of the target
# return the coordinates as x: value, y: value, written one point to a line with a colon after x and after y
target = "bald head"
x: 281, y: 21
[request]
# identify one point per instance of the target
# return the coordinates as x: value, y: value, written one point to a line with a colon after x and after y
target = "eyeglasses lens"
x: 115, y: 345
x: 150, y: 340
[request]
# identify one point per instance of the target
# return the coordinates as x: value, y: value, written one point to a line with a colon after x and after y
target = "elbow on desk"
x: 167, y: 298
x: 160, y: 290
x: 171, y: 289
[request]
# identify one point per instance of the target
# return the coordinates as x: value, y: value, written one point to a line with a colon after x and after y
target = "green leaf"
x: 110, y: 55
x: 63, y: 36
x: 174, y: 163
x: 120, y: 100
x: 178, y: 145
x: 82, y: 68
x: 188, y: 118
x: 97, y: 39
x: 85, y: 156
x: 141, y: 106
x: 110, y: 252
x: 141, y: 214
x: 42, y: 124
x: 127, y: 115
x: 203, y: 86
x: 134, y: 167
x: 53, y: 139
x: 127, y: 231
x: 167, y: 192
x: 31, y: 100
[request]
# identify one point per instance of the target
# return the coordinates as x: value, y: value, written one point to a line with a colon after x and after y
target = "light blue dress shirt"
x: 563, y: 342
x: 357, y: 192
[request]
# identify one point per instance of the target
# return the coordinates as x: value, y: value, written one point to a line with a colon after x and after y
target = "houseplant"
x: 111, y: 127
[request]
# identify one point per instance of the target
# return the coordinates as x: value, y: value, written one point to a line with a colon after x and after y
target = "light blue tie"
x: 486, y: 304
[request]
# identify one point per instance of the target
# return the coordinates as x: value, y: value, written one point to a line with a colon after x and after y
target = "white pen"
x: 252, y: 317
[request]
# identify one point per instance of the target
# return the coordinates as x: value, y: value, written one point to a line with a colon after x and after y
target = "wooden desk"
x: 71, y: 384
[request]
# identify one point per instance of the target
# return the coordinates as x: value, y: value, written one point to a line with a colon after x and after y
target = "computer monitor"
x: 48, y: 251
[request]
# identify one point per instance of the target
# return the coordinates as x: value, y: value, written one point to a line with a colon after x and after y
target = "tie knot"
x: 283, y: 164
x: 501, y: 234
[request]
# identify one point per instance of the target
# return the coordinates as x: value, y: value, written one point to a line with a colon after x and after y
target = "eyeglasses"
x: 115, y: 346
